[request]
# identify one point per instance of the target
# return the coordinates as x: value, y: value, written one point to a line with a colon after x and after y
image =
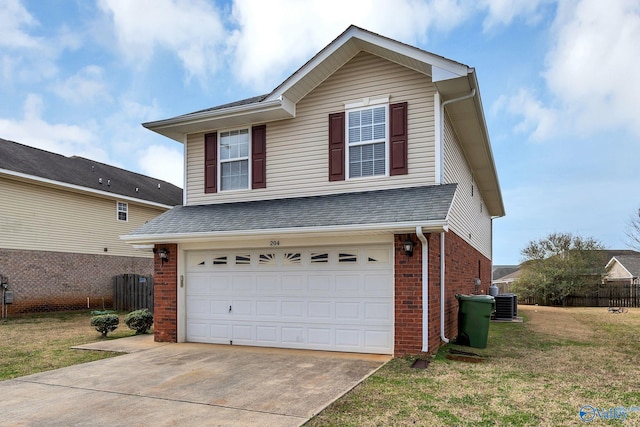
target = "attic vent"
x: 158, y: 186
x: 109, y: 182
x: 93, y: 168
x: 137, y: 189
x: 100, y: 180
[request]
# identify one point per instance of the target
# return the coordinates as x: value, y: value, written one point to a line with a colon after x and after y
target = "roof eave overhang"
x: 240, y: 235
x: 79, y: 189
x: 467, y: 117
x: 260, y: 112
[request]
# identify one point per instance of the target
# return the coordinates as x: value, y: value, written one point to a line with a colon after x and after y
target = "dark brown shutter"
x: 259, y: 156
x: 336, y: 147
x: 210, y: 162
x: 398, y: 139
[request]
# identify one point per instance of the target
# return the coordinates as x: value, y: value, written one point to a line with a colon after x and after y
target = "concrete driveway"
x: 158, y: 384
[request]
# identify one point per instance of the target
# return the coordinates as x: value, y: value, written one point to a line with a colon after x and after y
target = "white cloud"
x: 14, y: 19
x: 162, y: 162
x: 86, y: 86
x: 590, y: 73
x: 277, y: 36
x: 193, y: 30
x: 59, y: 138
x: 592, y: 68
x: 503, y: 12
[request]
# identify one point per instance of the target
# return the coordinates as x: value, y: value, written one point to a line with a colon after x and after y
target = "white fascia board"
x: 82, y: 189
x: 444, y: 66
x: 398, y: 227
x: 615, y: 260
x: 284, y: 108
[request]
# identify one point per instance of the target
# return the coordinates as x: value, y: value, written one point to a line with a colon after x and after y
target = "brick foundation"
x: 58, y: 281
x: 165, y: 294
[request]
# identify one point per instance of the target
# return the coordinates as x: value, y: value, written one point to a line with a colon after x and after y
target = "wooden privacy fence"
x: 609, y: 294
x: 132, y: 292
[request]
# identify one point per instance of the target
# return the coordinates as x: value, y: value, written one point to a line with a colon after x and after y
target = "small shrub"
x: 105, y: 323
x: 139, y: 320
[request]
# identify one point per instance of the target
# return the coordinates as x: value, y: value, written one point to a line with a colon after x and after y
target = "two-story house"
x: 60, y: 224
x: 342, y: 211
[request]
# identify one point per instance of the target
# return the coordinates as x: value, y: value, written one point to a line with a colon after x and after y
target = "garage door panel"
x: 268, y: 309
x: 293, y: 335
x: 347, y: 310
x: 267, y: 335
x: 320, y: 310
x: 348, y: 284
x: 331, y: 299
x: 293, y: 309
x: 378, y: 311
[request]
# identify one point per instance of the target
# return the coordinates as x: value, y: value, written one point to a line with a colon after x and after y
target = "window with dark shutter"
x: 210, y: 162
x: 398, y: 157
x: 259, y: 156
x: 336, y: 147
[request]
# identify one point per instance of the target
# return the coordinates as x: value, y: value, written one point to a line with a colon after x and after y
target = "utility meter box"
x: 8, y: 297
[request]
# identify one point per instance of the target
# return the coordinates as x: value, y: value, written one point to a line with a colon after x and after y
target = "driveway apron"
x: 186, y: 384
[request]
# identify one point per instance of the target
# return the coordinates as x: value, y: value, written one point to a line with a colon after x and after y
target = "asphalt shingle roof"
x: 86, y: 173
x: 414, y: 204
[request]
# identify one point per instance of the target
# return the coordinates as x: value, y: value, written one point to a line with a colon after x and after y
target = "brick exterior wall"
x: 463, y: 264
x: 58, y: 281
x: 165, y: 295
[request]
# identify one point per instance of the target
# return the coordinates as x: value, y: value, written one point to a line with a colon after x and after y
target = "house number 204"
x: 274, y: 243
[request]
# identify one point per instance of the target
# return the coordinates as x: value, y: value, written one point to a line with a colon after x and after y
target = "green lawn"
x: 540, y: 372
x: 40, y: 343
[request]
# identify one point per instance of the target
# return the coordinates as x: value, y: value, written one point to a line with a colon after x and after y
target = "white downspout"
x: 425, y: 289
x: 441, y: 180
x: 440, y: 145
x: 442, y: 336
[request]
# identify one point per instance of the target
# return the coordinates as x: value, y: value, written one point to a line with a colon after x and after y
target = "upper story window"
x: 367, y: 141
x: 122, y: 211
x: 234, y: 159
x: 230, y: 155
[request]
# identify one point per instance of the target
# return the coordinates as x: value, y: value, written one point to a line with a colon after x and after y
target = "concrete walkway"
x: 159, y: 384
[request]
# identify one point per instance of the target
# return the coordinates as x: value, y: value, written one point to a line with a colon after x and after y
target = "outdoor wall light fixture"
x: 408, y: 245
x: 163, y: 254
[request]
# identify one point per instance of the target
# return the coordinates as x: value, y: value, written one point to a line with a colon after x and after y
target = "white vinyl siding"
x: 468, y: 218
x: 297, y: 149
x: 47, y: 218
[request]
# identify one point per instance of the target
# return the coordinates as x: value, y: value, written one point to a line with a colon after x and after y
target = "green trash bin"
x: 474, y: 317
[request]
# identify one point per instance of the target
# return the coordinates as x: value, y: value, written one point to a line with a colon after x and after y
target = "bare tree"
x: 633, y: 230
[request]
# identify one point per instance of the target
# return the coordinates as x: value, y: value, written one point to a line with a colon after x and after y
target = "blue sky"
x: 557, y: 79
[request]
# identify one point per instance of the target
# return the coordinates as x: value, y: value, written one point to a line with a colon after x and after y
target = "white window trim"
x: 248, y: 158
x: 371, y: 104
x: 126, y: 211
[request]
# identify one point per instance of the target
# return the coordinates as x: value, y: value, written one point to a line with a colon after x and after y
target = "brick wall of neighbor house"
x: 165, y: 294
x: 463, y: 265
x: 44, y: 281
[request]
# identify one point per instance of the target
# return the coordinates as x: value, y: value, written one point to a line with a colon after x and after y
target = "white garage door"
x: 338, y: 299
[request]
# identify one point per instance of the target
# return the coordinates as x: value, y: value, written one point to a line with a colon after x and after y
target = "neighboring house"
x: 299, y: 205
x: 504, y: 278
x: 624, y: 269
x: 60, y: 222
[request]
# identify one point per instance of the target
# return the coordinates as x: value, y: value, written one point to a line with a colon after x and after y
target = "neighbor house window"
x: 367, y: 141
x: 123, y: 212
x: 234, y: 159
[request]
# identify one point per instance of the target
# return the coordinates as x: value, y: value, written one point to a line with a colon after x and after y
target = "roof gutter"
x: 398, y: 227
x: 81, y: 189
